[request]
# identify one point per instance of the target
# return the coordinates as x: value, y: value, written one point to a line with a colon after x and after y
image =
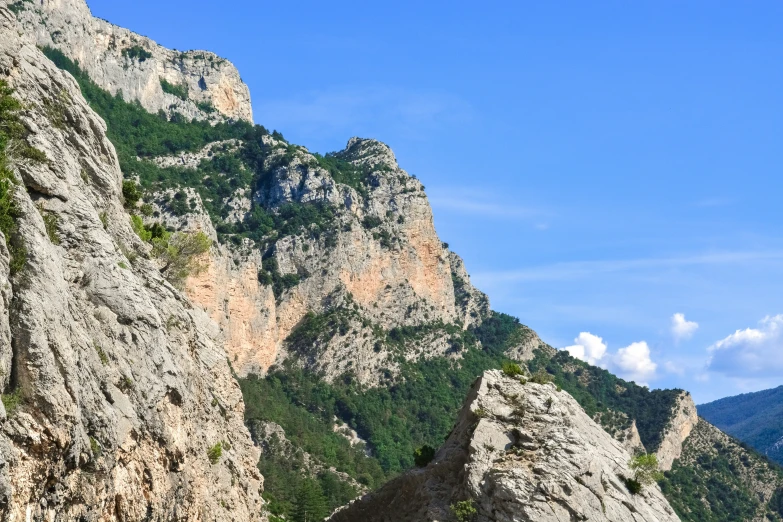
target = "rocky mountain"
x: 195, y: 84
x: 169, y: 259
x: 717, y: 478
x: 117, y: 402
x: 520, y: 450
x: 754, y: 418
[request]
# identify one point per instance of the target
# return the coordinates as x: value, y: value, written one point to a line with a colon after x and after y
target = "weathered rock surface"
x: 122, y: 388
x: 118, y: 59
x: 520, y: 452
x: 684, y: 418
x: 378, y: 264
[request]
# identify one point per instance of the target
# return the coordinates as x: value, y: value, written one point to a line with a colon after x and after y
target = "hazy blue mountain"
x: 754, y: 418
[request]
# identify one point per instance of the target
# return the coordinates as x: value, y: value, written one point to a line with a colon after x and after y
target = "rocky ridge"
x: 519, y: 451
x: 683, y: 419
x: 205, y: 85
x: 378, y: 264
x: 118, y: 395
x: 715, y: 478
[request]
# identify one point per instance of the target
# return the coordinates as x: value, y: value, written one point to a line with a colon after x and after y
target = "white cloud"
x: 634, y: 363
x: 752, y: 352
x: 588, y: 347
x: 681, y: 328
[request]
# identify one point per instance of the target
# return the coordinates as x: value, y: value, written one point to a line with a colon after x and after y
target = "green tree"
x: 310, y: 503
x: 423, y: 456
x: 645, y: 468
x: 180, y: 255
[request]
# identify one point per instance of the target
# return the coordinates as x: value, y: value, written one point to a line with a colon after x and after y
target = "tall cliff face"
x: 120, y: 60
x: 370, y: 261
x: 683, y: 420
x: 518, y: 452
x: 115, y: 389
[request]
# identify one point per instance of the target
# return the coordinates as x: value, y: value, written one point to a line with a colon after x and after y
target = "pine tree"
x: 310, y: 503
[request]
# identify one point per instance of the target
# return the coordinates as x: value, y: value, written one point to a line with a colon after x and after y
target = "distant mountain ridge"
x: 754, y: 418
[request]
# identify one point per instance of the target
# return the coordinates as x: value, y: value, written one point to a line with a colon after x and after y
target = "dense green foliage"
x: 288, y: 486
x: 215, y: 452
x: 310, y: 431
x: 135, y: 132
x: 12, y: 147
x: 597, y: 390
x: 755, y: 418
x: 137, y: 53
x: 415, y: 411
x: 180, y: 91
x: 645, y: 469
x: 464, y: 511
x: 18, y: 6
x: 423, y: 456
x: 712, y: 489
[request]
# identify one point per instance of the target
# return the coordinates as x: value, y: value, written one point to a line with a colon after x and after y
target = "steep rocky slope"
x: 717, y: 479
x: 755, y: 418
x: 199, y: 84
x: 518, y: 452
x: 326, y: 271
x: 114, y: 391
x: 373, y: 263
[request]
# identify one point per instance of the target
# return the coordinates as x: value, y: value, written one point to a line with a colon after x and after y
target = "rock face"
x: 519, y: 452
x: 117, y: 386
x: 377, y: 264
x: 120, y: 60
x: 684, y: 418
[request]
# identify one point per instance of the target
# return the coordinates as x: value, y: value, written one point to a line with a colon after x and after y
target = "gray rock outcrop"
x: 118, y: 395
x: 683, y: 419
x: 379, y: 263
x: 518, y: 452
x: 119, y: 60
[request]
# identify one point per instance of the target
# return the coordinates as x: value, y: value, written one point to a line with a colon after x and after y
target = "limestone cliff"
x: 375, y: 262
x: 683, y: 419
x: 119, y: 60
x: 117, y: 394
x: 518, y: 452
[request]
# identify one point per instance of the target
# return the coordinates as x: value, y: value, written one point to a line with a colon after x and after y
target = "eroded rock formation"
x: 118, y: 395
x: 119, y: 60
x: 518, y: 452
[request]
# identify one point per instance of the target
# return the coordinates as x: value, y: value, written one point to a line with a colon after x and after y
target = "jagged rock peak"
x: 196, y: 84
x: 518, y: 452
x: 121, y: 406
x: 362, y: 151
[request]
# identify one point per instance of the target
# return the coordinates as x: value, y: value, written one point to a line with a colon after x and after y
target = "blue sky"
x: 600, y: 166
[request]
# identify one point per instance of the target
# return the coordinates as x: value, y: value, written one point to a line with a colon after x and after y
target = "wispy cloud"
x: 476, y: 201
x: 353, y: 111
x: 580, y: 269
x: 468, y: 206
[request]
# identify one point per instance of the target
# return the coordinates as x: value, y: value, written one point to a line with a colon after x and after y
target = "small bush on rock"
x: 512, y: 369
x: 464, y: 511
x: 214, y: 453
x: 423, y: 456
x: 645, y: 468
